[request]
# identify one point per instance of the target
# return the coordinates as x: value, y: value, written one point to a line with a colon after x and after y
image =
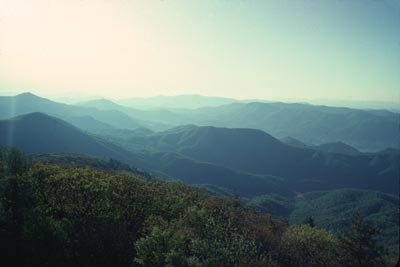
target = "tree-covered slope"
x: 53, y: 215
x: 333, y: 209
x: 173, y: 165
x: 79, y: 216
x: 81, y: 160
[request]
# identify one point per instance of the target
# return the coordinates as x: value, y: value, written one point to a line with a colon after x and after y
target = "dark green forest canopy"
x: 60, y: 215
x: 334, y: 209
x: 80, y: 160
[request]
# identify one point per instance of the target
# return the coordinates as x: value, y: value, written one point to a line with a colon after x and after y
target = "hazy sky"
x: 306, y: 49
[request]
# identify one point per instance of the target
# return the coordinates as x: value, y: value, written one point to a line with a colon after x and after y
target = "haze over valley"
x: 257, y: 149
x: 212, y: 133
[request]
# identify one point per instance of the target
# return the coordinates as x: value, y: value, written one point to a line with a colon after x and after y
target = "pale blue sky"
x: 300, y: 49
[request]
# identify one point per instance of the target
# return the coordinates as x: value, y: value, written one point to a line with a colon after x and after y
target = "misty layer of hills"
x: 365, y: 130
x: 271, y: 153
x: 246, y: 160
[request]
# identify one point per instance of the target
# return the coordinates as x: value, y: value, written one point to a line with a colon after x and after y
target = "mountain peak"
x: 35, y: 115
x: 29, y: 96
x: 26, y: 94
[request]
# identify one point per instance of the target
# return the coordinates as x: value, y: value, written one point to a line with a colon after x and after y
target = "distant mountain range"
x: 11, y: 106
x: 179, y: 101
x: 257, y: 153
x: 246, y: 160
x: 335, y: 147
x: 371, y: 130
x: 365, y: 130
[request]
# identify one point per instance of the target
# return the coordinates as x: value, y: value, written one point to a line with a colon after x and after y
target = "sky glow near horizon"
x: 233, y: 48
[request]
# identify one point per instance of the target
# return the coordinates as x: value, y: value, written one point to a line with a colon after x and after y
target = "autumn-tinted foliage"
x: 53, y: 215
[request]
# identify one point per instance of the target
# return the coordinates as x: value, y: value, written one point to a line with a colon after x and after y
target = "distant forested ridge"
x: 365, y: 130
x: 109, y: 215
x: 248, y: 161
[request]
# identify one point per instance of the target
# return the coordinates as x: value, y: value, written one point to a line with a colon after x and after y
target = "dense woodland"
x: 58, y: 214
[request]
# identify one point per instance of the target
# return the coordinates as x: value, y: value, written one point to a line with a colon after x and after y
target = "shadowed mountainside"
x: 258, y: 153
x: 40, y: 133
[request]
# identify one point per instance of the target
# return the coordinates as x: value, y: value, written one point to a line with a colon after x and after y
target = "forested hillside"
x: 333, y: 210
x: 60, y: 215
